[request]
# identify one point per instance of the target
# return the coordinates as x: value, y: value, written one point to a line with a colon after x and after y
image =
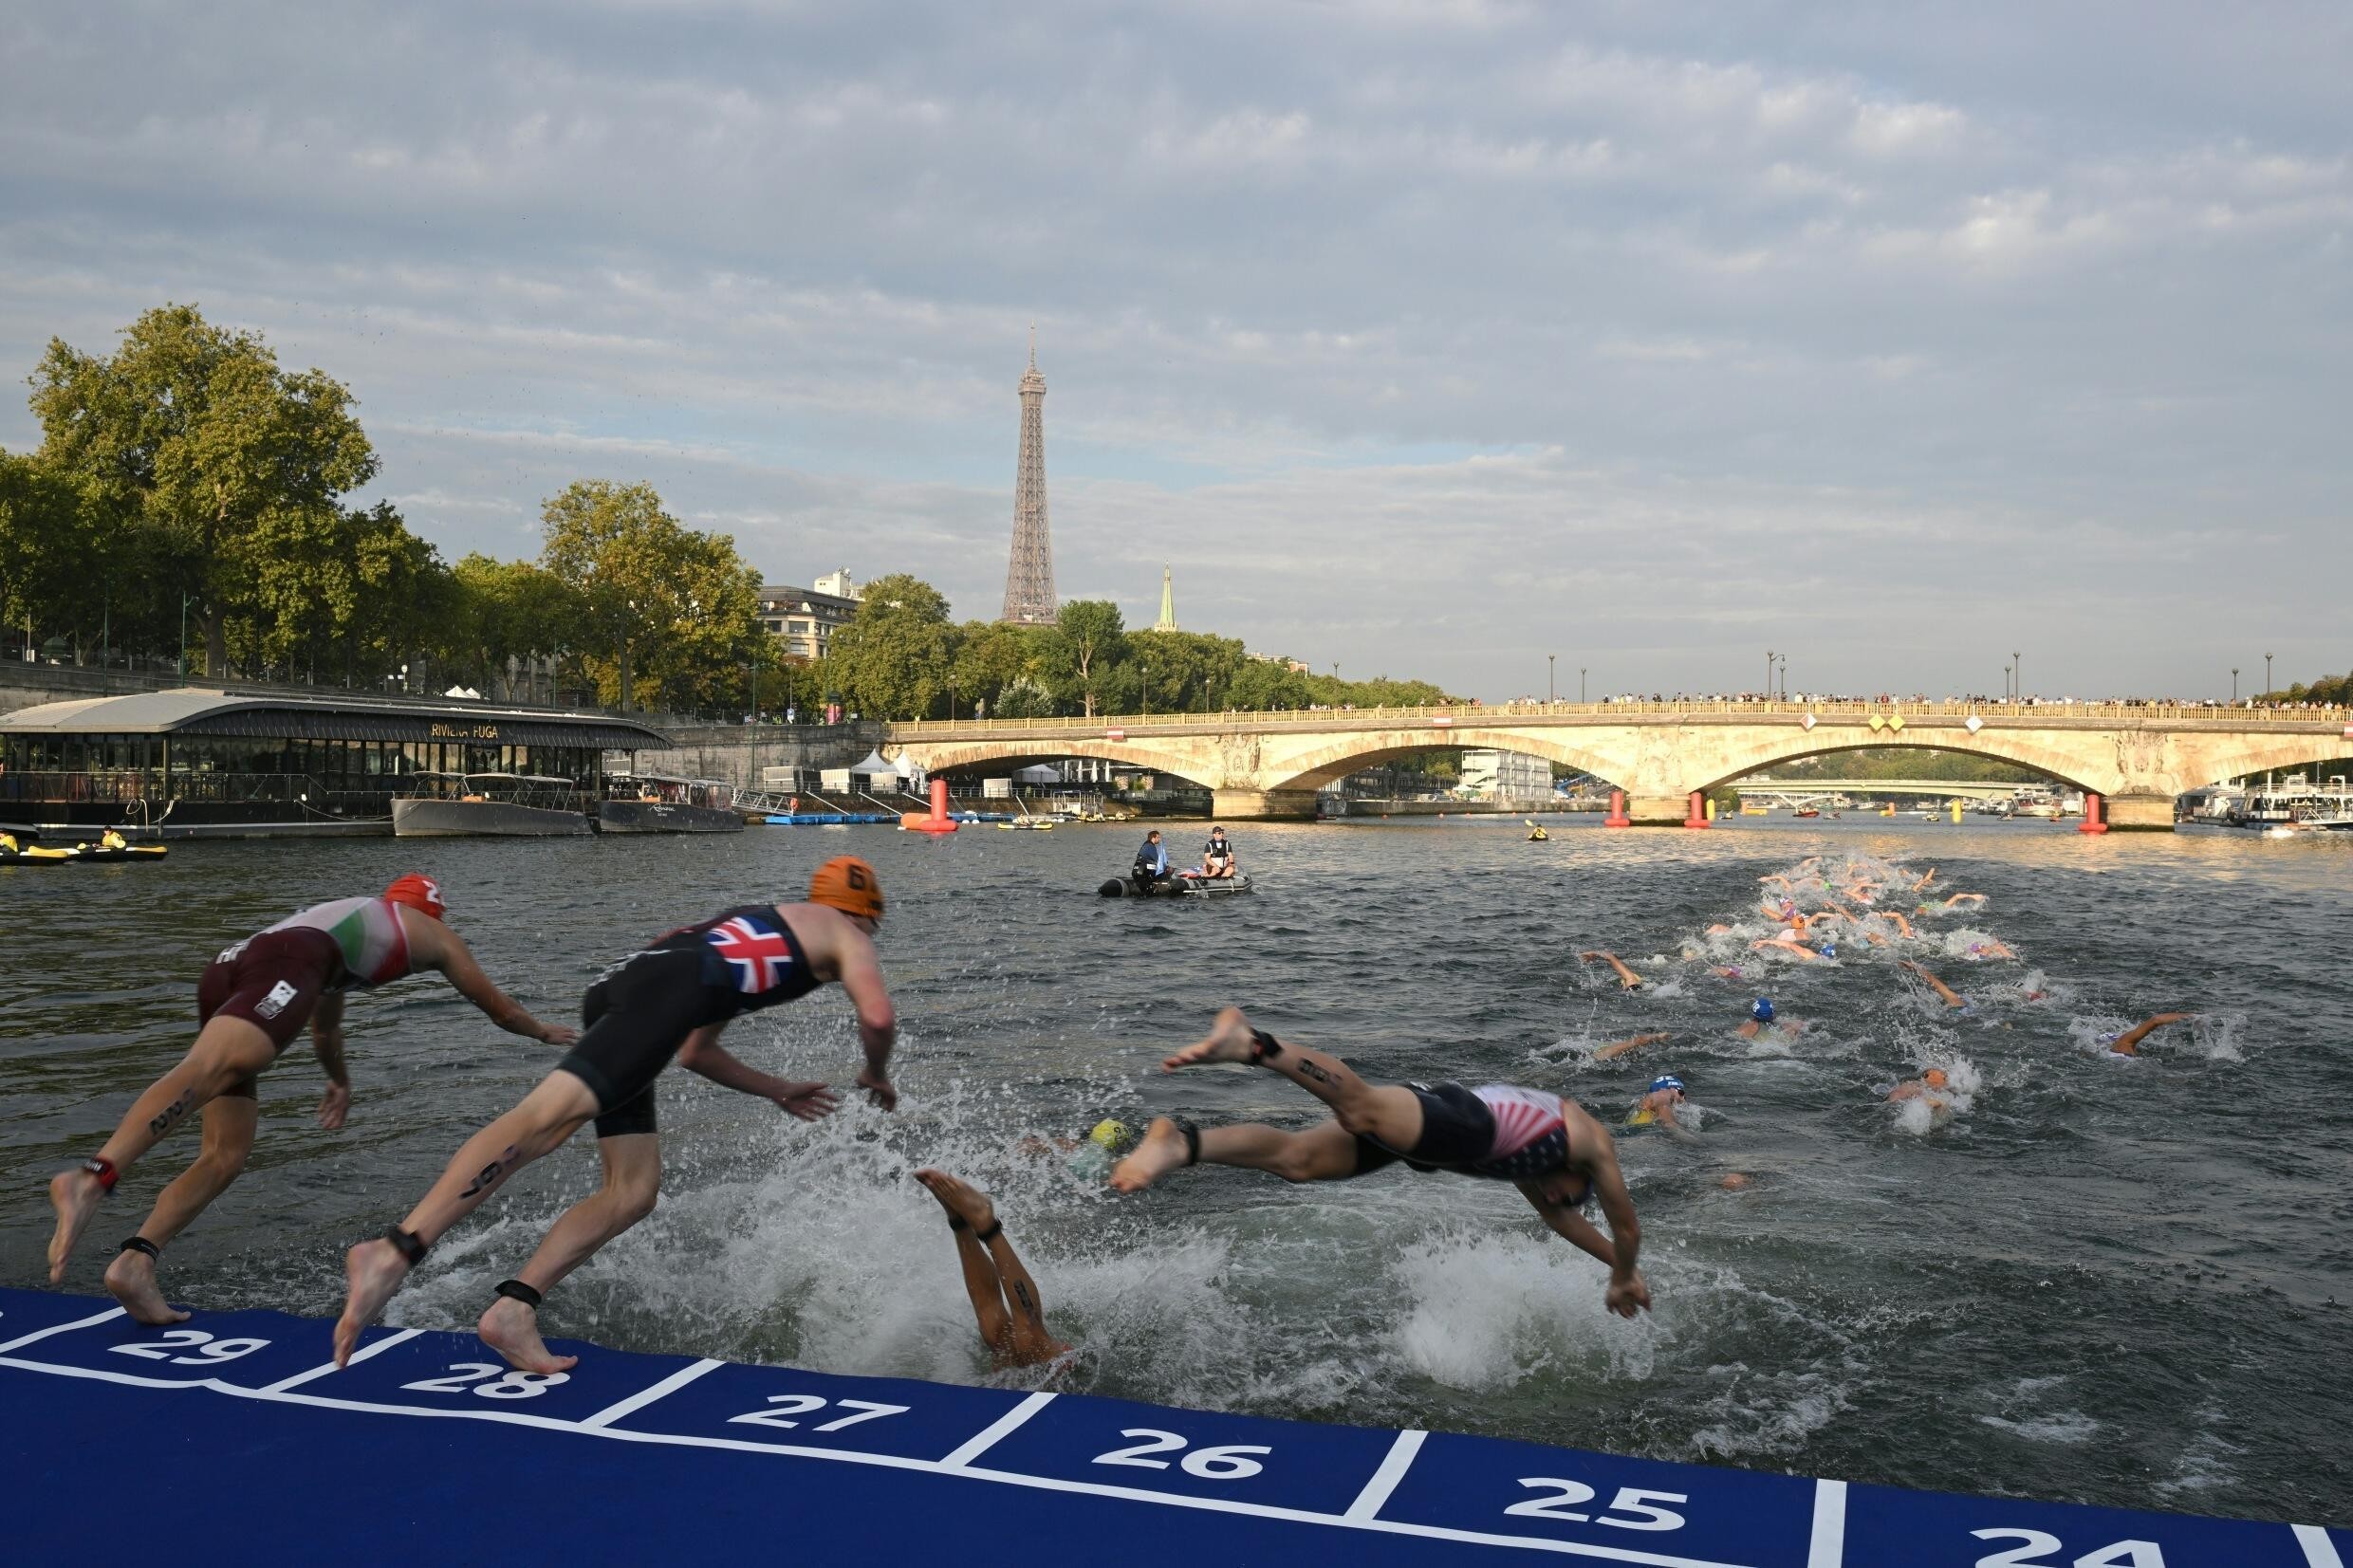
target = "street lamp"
x: 2233, y: 685
x: 1551, y: 695
x: 1580, y: 683
x: 1148, y: 687
x: 1768, y: 674
x: 1785, y: 677
x: 2006, y: 685
x: 2018, y: 676
x: 2266, y: 675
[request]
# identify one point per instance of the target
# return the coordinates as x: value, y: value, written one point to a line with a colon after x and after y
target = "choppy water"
x: 2104, y: 1280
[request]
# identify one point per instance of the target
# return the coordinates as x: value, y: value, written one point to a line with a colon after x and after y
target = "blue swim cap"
x: 1829, y: 949
x: 1666, y: 1081
x: 1762, y: 1010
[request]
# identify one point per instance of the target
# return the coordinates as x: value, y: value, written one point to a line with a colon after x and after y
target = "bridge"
x: 2134, y: 757
x: 1811, y: 791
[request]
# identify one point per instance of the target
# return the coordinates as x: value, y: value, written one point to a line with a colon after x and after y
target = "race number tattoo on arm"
x: 166, y: 1119
x: 1021, y: 1293
x: 482, y: 1184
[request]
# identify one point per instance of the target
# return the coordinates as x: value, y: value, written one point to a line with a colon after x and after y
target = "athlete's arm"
x: 1627, y: 1293
x: 1569, y: 1224
x: 2124, y: 1044
x: 326, y: 1039
x: 1620, y: 1047
x: 443, y: 949
x: 1952, y: 997
x: 878, y: 1021
x: 702, y: 1054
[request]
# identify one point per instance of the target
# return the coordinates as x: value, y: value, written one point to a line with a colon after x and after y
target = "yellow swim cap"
x: 1107, y: 1133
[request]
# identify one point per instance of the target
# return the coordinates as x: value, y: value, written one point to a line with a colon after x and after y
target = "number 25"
x: 1630, y: 1500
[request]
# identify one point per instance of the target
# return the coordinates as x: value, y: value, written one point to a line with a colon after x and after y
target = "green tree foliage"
x: 1091, y: 641
x: 676, y: 609
x: 43, y: 566
x: 2325, y: 690
x: 194, y: 434
x: 1907, y: 762
x: 897, y: 656
x: 506, y: 612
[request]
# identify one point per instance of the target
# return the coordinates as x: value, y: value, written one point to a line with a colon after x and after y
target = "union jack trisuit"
x: 636, y: 1016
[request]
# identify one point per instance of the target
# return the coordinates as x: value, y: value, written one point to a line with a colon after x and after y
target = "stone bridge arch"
x: 935, y: 757
x: 1319, y: 760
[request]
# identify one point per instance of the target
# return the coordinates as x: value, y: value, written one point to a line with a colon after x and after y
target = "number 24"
x: 2033, y: 1543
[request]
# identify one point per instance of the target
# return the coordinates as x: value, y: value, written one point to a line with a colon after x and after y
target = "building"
x: 805, y: 618
x: 1029, y: 575
x: 194, y: 760
x: 1168, y: 604
x: 1489, y: 775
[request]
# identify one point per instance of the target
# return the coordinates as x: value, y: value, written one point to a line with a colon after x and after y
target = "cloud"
x: 1430, y: 335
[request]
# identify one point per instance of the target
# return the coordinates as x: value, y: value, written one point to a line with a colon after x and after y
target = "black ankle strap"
x: 406, y: 1244
x: 996, y: 1228
x: 1264, y: 1046
x: 957, y: 1222
x: 141, y: 1244
x: 1192, y: 1138
x: 517, y: 1290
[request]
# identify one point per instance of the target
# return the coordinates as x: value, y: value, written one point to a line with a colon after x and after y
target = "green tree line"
x: 191, y: 502
x: 904, y: 656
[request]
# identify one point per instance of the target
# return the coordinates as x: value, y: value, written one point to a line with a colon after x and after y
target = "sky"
x: 1428, y: 337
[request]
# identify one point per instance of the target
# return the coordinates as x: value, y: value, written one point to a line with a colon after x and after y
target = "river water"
x: 2102, y: 1280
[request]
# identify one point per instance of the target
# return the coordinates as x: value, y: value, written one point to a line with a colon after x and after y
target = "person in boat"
x: 1627, y: 979
x: 1549, y: 1148
x: 113, y: 838
x: 1006, y: 1302
x: 1152, y: 860
x: 670, y: 999
x: 251, y: 1001
x: 2128, y: 1043
x: 1656, y: 1106
x: 7, y: 842
x: 1217, y: 860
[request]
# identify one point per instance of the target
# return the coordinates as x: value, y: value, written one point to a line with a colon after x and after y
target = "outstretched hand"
x: 1628, y: 1296
x: 333, y: 1105
x: 809, y: 1102
x: 878, y: 1089
x: 558, y: 1034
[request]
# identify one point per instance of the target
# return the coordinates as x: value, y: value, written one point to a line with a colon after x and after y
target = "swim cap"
x: 1933, y: 1077
x: 1107, y: 1133
x: 1762, y: 1010
x: 420, y: 893
x: 1665, y: 1080
x: 1829, y: 949
x: 849, y: 885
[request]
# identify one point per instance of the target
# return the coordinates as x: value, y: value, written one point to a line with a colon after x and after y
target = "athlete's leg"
x: 229, y: 1123
x: 1031, y: 1344
x: 1323, y: 1153
x: 546, y: 1118
x: 632, y: 1184
x: 994, y: 1277
x: 1388, y: 1113
x: 226, y: 1050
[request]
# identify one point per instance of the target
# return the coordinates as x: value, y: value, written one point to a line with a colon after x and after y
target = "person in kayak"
x: 1217, y: 856
x: 672, y: 999
x: 252, y: 1002
x: 1557, y: 1156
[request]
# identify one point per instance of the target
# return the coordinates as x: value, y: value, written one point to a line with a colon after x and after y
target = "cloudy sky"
x: 1426, y: 337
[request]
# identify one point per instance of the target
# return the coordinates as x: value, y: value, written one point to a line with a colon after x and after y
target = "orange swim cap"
x: 1933, y: 1077
x: 420, y: 893
x: 849, y: 885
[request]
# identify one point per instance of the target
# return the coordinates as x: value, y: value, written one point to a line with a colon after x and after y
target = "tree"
x: 506, y: 611
x: 1091, y: 637
x: 897, y: 655
x: 995, y: 656
x: 1264, y: 686
x: 39, y: 522
x: 196, y: 433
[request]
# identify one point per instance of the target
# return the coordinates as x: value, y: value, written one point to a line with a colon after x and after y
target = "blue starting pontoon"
x: 231, y: 1438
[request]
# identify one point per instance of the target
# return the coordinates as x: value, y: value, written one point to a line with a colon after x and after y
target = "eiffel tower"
x: 1029, y: 577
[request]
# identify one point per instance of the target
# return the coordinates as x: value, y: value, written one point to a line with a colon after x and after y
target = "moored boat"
x: 506, y: 805
x: 655, y: 802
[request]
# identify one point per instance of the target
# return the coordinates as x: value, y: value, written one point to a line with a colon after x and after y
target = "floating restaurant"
x: 194, y: 763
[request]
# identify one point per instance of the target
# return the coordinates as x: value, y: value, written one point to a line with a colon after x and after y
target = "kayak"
x: 135, y: 852
x: 1175, y: 887
x: 33, y: 855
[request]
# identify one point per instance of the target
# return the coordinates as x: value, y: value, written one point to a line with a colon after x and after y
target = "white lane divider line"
x: 357, y: 1356
x: 1393, y: 1468
x: 1829, y: 1537
x: 2319, y: 1550
x: 637, y: 1401
x: 1002, y: 1427
x: 93, y: 1319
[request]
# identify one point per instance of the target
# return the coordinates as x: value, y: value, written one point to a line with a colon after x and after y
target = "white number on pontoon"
x: 178, y: 1340
x: 2034, y: 1544
x: 791, y: 1406
x: 467, y: 1376
x: 1630, y: 1500
x: 1221, y: 1463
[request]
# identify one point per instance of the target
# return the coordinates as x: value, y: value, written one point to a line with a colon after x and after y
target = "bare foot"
x: 74, y: 1194
x: 132, y: 1278
x: 511, y: 1329
x: 1161, y: 1150
x: 1229, y: 1041
x: 373, y: 1271
x: 967, y: 1202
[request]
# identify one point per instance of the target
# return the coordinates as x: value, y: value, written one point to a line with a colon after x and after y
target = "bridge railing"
x: 1468, y: 715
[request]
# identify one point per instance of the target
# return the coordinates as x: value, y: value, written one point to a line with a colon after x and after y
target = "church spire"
x: 1168, y: 604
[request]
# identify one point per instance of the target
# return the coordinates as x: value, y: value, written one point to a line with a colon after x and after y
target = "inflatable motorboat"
x: 1179, y: 886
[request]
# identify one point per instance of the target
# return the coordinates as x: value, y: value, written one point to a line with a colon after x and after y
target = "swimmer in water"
x: 1765, y: 1020
x: 2128, y: 1043
x: 1656, y: 1106
x: 1960, y: 898
x: 1951, y: 997
x: 1627, y: 979
x: 1620, y: 1047
x: 1789, y: 941
x: 672, y: 999
x: 1089, y: 1158
x: 1927, y: 877
x: 252, y: 1002
x: 1930, y: 1086
x: 1979, y: 951
x: 1006, y: 1302
x: 1549, y: 1148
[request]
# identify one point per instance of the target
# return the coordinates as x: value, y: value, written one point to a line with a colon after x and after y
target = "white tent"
x: 875, y: 768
